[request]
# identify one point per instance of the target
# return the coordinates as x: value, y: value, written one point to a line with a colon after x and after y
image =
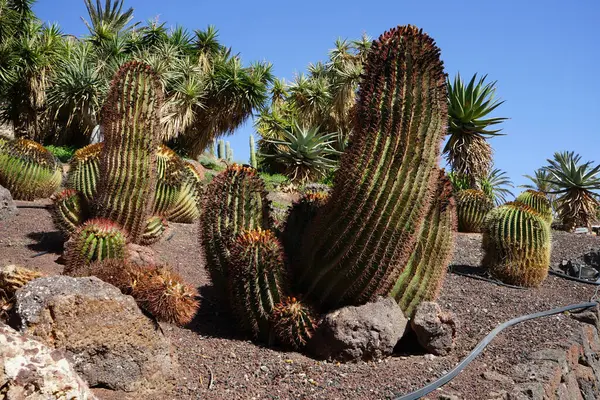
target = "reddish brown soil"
x: 210, y: 346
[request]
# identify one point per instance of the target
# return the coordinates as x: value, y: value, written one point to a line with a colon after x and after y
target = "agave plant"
x: 496, y: 185
x: 306, y: 153
x: 574, y: 184
x: 469, y: 106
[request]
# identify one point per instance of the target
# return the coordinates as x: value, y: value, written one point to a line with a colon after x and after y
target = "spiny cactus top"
x: 538, y: 201
x: 131, y: 126
x: 362, y: 238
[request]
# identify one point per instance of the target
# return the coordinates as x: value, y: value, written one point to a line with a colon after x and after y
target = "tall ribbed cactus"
x: 235, y: 201
x: 472, y: 206
x: 517, y: 244
x: 169, y: 179
x: 538, y: 201
x: 131, y: 126
x: 228, y: 153
x: 253, y: 162
x: 363, y: 238
x: 28, y: 170
x: 84, y: 170
x: 221, y: 150
x: 257, y: 281
x: 423, y: 276
x: 186, y: 206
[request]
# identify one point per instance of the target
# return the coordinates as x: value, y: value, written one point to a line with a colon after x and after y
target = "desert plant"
x: 256, y: 282
x: 472, y: 206
x: 168, y: 179
x: 424, y: 274
x: 517, y: 245
x: 69, y: 211
x: 306, y: 153
x: 84, y: 170
x: 95, y: 240
x: 351, y: 253
x: 253, y: 162
x: 186, y: 207
x: 538, y: 201
x: 28, y: 170
x: 221, y: 150
x: 13, y: 277
x: 155, y: 227
x: 540, y: 181
x: 469, y: 106
x: 294, y: 323
x: 496, y: 186
x: 63, y: 153
x: 574, y: 184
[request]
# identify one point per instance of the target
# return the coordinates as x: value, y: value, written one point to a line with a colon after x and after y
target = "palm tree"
x: 106, y: 21
x: 574, y: 184
x: 496, y: 185
x: 467, y: 150
x: 540, y: 181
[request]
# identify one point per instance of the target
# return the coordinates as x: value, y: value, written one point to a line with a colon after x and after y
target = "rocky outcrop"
x: 112, y: 344
x: 366, y: 332
x: 8, y: 209
x: 434, y: 328
x: 30, y: 370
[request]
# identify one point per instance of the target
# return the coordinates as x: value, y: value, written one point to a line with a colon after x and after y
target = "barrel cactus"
x: 154, y: 229
x: 69, y: 211
x: 538, y: 201
x: 517, y: 243
x: 186, y: 205
x: 294, y: 323
x: 84, y: 170
x: 28, y: 170
x: 472, y: 206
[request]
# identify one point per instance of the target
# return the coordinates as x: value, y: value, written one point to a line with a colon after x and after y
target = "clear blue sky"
x: 545, y: 54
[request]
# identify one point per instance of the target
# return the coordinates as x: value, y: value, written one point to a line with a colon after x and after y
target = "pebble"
x: 264, y: 368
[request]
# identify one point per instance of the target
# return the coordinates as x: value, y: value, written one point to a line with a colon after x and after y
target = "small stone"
x: 497, y: 377
x: 429, y: 357
x: 8, y: 209
x: 264, y: 368
x: 435, y: 329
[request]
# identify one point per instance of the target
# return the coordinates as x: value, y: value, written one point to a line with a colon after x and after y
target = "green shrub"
x: 63, y: 153
x: 273, y: 182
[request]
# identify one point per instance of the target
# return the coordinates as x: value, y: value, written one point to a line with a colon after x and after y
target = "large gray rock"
x: 366, y: 332
x: 112, y: 344
x: 434, y: 328
x: 8, y: 209
x: 30, y: 370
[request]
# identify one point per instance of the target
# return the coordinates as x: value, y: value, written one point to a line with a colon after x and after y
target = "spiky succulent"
x: 517, y: 245
x: 84, y: 170
x: 186, y: 206
x: 538, y: 201
x: 70, y: 210
x: 294, y: 323
x: 155, y: 228
x: 168, y: 181
x: 256, y: 281
x: 306, y: 152
x: 14, y: 277
x: 496, y: 186
x: 469, y: 122
x: 472, y: 206
x: 28, y: 170
x: 95, y: 240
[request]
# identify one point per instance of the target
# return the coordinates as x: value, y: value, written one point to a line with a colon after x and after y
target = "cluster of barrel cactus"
x: 28, y: 170
x: 472, y: 206
x: 386, y: 229
x: 120, y: 194
x: 517, y: 240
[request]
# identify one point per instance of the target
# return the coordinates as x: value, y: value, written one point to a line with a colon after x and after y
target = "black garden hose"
x: 417, y: 394
x: 572, y: 278
x: 483, y: 278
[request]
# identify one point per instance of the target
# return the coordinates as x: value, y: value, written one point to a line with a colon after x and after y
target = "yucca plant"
x: 575, y: 184
x: 306, y: 153
x: 469, y: 125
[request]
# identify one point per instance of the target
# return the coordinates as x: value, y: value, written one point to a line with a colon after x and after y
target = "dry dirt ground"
x: 217, y: 363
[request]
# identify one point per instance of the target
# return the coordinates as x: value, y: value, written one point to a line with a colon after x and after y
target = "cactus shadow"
x: 468, y: 270
x: 46, y: 242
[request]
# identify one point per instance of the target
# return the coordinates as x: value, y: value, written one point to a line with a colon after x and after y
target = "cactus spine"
x: 131, y: 125
x: 472, y: 207
x: 69, y: 211
x: 362, y: 239
x: 28, y: 170
x: 422, y: 278
x: 538, y: 201
x: 253, y: 162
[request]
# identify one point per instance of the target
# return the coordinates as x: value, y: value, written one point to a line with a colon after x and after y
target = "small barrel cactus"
x: 13, y: 277
x: 95, y: 240
x: 28, y: 170
x: 256, y: 281
x: 472, y: 206
x: 69, y: 211
x: 294, y: 323
x: 84, y: 170
x: 517, y: 244
x: 155, y: 228
x: 186, y: 206
x: 538, y: 201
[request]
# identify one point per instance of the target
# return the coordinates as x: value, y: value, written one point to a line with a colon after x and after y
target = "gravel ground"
x: 216, y: 363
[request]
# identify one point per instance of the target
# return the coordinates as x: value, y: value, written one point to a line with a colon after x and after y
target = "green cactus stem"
x: 70, y: 210
x: 253, y: 162
x: 155, y: 228
x: 221, y: 150
x: 235, y: 201
x: 84, y: 170
x: 423, y: 277
x: 538, y: 201
x: 131, y: 125
x: 229, y: 153
x: 294, y: 323
x: 256, y: 281
x: 186, y: 206
x: 95, y: 240
x: 517, y: 242
x: 169, y: 180
x: 361, y: 241
x: 28, y: 170
x: 472, y: 206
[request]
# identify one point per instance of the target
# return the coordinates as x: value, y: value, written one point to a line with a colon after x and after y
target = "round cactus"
x: 472, y: 206
x: 168, y: 179
x: 155, y: 228
x: 517, y: 242
x: 13, y: 277
x: 28, y: 170
x: 538, y: 201
x: 186, y: 207
x: 294, y: 323
x: 84, y: 170
x: 69, y: 211
x: 256, y: 281
x: 95, y: 240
